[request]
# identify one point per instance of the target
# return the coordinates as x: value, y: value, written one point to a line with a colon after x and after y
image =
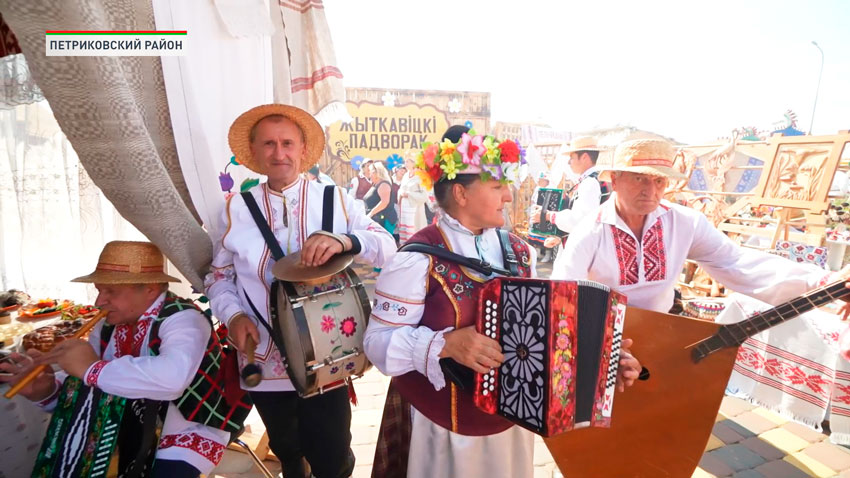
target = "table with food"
x: 27, y: 323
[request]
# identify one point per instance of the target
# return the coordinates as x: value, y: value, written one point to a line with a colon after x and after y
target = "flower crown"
x: 473, y: 154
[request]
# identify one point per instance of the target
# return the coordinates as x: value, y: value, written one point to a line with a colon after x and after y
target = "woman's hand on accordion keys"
x: 629, y: 368
x: 16, y: 366
x: 468, y: 347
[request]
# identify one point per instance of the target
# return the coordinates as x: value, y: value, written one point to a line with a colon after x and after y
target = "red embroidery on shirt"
x: 654, y: 255
x: 129, y: 337
x: 94, y: 372
x: 209, y: 449
x: 626, y: 248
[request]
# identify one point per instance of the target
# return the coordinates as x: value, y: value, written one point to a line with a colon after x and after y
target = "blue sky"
x: 690, y: 70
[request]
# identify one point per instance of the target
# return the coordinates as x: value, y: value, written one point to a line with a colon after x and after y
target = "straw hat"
x: 644, y: 156
x: 582, y: 143
x: 129, y: 262
x: 239, y: 136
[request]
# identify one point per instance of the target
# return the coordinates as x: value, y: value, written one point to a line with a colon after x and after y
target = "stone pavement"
x: 747, y: 441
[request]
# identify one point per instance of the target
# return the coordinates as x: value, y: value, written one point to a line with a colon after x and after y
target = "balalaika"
x: 561, y: 342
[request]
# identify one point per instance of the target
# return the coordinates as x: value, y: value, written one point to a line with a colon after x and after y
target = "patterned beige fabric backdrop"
x: 114, y: 112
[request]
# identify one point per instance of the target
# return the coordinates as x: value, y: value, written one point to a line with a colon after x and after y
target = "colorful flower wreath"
x: 473, y: 154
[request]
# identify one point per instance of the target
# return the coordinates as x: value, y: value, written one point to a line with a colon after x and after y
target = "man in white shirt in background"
x: 587, y: 194
x: 637, y: 243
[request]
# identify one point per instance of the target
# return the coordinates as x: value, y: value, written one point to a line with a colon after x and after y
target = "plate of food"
x: 12, y: 300
x: 10, y: 333
x: 79, y: 312
x: 45, y: 338
x: 43, y: 309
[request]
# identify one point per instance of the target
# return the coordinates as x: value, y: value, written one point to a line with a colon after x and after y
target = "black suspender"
x: 328, y: 209
x: 511, y: 268
x: 265, y: 230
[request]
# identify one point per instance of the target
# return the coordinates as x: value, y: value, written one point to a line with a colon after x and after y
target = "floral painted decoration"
x: 473, y: 154
x: 348, y: 326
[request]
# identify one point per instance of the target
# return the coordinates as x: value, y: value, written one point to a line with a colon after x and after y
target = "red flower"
x: 348, y: 326
x: 430, y: 153
x: 435, y: 172
x: 327, y: 323
x: 510, y: 151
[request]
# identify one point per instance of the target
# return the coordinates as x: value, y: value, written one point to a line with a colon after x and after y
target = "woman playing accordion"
x: 425, y: 311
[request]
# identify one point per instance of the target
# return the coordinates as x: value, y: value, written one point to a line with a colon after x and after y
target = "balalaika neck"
x: 733, y: 335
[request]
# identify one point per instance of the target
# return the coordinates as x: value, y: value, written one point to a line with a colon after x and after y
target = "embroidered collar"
x: 456, y: 226
x: 291, y: 188
x: 608, y: 215
x: 155, y: 308
x: 587, y: 173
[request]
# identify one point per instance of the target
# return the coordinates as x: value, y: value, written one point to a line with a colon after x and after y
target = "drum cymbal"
x: 290, y: 268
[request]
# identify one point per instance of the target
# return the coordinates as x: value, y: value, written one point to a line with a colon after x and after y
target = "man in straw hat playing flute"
x: 281, y: 142
x: 637, y: 242
x: 154, y: 349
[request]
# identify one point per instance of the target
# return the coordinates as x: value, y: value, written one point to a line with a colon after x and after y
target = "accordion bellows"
x: 561, y: 342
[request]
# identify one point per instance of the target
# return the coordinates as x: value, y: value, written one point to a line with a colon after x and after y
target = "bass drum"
x: 321, y: 328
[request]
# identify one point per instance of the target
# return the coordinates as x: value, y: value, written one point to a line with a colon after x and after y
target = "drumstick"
x: 41, y: 368
x: 251, y: 374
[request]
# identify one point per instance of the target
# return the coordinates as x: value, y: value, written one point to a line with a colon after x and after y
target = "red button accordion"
x: 561, y: 342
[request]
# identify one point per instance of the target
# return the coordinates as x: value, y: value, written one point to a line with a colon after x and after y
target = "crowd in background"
x: 395, y: 198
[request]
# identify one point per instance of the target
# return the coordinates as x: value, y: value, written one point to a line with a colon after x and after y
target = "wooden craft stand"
x: 795, y: 180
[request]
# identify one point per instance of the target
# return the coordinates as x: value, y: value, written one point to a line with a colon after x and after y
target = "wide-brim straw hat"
x: 129, y: 262
x: 581, y: 143
x: 239, y: 136
x: 643, y: 156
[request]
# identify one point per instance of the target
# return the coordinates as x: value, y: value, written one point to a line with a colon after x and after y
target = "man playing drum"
x: 151, y: 346
x: 282, y: 142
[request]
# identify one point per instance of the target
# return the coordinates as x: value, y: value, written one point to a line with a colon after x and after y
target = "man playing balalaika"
x: 154, y: 356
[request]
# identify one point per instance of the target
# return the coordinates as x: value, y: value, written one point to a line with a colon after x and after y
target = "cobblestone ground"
x: 747, y: 441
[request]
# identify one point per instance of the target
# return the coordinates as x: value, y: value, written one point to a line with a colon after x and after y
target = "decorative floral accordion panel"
x: 82, y: 433
x: 561, y: 341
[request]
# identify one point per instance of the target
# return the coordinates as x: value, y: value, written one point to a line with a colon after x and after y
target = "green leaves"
x: 248, y: 184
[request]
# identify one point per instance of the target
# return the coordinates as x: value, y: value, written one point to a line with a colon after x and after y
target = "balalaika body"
x: 662, y: 424
x: 561, y: 342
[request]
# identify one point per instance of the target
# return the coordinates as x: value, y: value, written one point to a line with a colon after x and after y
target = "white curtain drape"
x: 159, y: 162
x: 207, y: 89
x: 54, y: 219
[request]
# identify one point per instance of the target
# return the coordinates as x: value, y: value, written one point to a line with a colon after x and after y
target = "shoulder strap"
x: 508, y: 254
x: 265, y: 230
x: 476, y: 264
x: 328, y: 209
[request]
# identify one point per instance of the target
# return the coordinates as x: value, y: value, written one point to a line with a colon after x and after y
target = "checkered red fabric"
x: 205, y: 400
x: 395, y: 432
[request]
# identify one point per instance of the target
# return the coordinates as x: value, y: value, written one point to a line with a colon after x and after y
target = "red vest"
x: 451, y: 300
x: 363, y: 187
